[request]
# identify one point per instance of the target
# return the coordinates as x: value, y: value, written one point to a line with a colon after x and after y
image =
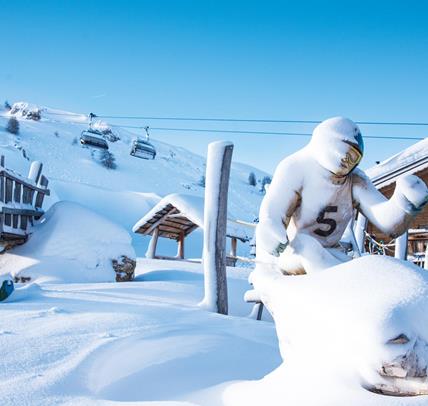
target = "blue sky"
x: 242, y: 59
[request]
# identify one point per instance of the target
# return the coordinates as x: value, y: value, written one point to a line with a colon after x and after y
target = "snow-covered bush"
x: 252, y: 179
x: 74, y: 141
x: 13, y: 126
x: 265, y: 181
x: 107, y: 159
x: 201, y: 181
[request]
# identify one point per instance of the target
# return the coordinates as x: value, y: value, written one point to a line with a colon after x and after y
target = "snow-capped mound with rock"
x: 72, y: 244
x: 360, y: 327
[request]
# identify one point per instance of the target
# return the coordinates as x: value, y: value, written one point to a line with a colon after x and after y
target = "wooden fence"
x: 21, y: 201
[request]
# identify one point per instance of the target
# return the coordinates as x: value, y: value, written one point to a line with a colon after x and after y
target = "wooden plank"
x: 24, y: 222
x: 9, y: 190
x: 17, y: 193
x: 2, y: 187
x: 174, y: 230
x: 25, y: 212
x: 191, y: 229
x: 23, y: 182
x: 8, y: 220
x: 154, y: 225
x: 15, y: 218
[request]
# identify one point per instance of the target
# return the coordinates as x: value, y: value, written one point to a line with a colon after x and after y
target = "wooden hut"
x: 175, y: 217
x: 411, y: 161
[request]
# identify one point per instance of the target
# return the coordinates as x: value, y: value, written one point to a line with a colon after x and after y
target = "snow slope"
x: 142, y: 341
x: 124, y: 194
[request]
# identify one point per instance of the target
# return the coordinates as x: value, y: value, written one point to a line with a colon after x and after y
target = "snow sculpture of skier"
x: 313, y: 195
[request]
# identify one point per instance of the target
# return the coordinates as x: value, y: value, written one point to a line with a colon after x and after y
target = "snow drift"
x: 72, y: 244
x: 359, y: 327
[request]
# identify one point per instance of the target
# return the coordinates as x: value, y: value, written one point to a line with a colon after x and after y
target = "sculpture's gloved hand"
x: 411, y: 193
x: 271, y: 238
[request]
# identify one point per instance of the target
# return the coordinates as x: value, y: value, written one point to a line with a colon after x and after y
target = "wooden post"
x: 35, y: 171
x: 401, y: 246
x: 180, y: 247
x: 359, y: 231
x: 151, y: 250
x: 233, y: 247
x: 426, y: 258
x: 219, y: 160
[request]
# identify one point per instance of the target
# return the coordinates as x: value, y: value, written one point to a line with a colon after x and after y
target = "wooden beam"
x: 155, y: 224
x: 24, y: 212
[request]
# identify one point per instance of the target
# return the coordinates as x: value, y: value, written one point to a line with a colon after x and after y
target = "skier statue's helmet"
x: 337, y: 145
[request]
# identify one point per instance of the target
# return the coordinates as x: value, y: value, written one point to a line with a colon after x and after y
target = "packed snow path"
x: 141, y: 341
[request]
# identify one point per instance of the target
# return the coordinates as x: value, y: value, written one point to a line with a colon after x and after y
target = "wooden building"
x: 411, y: 161
x: 178, y: 215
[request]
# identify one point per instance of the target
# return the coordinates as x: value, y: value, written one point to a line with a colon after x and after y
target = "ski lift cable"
x: 297, y: 134
x: 243, y: 120
x: 258, y: 120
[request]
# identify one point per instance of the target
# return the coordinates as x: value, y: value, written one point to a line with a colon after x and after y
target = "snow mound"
x: 72, y: 244
x: 344, y: 328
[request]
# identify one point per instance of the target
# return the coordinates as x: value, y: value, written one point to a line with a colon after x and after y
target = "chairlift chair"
x: 92, y: 137
x: 143, y: 148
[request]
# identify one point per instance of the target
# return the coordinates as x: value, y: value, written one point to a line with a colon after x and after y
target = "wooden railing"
x: 21, y: 201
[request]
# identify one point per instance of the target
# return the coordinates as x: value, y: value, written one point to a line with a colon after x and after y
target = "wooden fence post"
x: 219, y: 160
x: 359, y: 231
x: 401, y: 246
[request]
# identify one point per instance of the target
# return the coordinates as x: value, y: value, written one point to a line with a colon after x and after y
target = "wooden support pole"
x: 401, y: 246
x: 151, y: 250
x: 219, y: 160
x: 180, y: 247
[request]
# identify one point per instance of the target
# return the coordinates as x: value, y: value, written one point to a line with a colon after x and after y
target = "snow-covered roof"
x: 189, y: 211
x: 409, y: 161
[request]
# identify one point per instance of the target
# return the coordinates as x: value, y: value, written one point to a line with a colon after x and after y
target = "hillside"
x: 124, y: 194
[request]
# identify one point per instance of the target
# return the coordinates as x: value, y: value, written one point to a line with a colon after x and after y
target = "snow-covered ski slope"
x: 124, y: 194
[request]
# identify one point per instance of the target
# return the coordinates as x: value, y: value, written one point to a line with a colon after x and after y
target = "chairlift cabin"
x: 93, y: 139
x: 143, y: 148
